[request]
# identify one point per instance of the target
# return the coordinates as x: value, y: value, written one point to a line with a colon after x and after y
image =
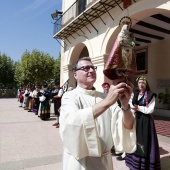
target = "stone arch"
x: 80, y: 50
x: 137, y: 12
x: 75, y: 52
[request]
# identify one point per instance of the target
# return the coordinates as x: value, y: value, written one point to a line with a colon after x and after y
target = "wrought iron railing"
x: 57, y: 25
x: 80, y: 14
x: 72, y: 12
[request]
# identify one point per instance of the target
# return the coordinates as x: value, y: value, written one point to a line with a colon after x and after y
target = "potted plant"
x: 164, y: 98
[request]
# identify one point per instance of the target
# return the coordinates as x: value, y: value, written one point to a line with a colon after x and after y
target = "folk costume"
x: 27, y: 101
x: 45, y: 105
x: 36, y: 102
x: 88, y: 141
x: 26, y: 94
x: 30, y: 99
x: 21, y: 97
x: 39, y: 95
x: 57, y: 101
x: 147, y: 155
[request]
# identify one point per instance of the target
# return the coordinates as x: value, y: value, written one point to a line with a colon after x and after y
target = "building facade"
x: 90, y: 27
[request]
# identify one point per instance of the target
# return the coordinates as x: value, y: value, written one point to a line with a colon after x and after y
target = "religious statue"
x: 121, y: 61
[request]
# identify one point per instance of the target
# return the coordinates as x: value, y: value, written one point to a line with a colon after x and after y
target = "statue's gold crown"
x: 125, y: 20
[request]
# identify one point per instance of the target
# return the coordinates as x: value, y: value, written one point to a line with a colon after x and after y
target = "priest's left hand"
x: 126, y: 95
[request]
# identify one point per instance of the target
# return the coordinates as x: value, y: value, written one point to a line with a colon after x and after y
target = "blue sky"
x: 27, y: 24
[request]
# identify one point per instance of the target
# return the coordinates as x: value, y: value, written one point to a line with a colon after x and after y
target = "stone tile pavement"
x: 27, y: 142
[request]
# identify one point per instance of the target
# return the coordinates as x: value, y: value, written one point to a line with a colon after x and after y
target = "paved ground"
x: 28, y: 143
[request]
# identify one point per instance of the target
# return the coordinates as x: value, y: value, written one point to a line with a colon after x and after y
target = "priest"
x: 92, y: 122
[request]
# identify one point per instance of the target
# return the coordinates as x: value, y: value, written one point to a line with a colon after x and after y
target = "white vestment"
x: 88, y: 141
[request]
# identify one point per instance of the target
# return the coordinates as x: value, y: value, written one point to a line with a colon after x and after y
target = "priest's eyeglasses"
x: 87, y: 68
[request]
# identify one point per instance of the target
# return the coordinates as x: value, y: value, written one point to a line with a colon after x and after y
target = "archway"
x: 79, y: 51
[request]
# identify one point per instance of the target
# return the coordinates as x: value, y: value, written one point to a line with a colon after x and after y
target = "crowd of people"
x: 117, y: 121
x: 39, y: 101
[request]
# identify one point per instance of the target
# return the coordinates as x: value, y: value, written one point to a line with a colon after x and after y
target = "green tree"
x: 18, y: 75
x: 36, y: 68
x: 6, y: 71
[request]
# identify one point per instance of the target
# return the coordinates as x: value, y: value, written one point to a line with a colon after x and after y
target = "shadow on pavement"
x: 163, y: 151
x: 51, y: 119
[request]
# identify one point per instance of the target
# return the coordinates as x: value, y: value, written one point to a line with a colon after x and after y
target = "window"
x: 81, y: 6
x: 142, y: 60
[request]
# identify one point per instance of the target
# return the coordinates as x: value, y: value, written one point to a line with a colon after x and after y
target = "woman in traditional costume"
x: 21, y: 97
x: 30, y: 99
x: 26, y: 101
x: 36, y: 101
x: 147, y: 154
x: 45, y: 104
x: 39, y: 95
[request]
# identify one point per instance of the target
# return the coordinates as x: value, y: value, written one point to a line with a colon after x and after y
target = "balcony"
x: 80, y: 14
x: 151, y: 29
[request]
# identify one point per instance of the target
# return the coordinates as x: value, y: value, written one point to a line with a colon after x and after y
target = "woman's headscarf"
x: 145, y: 99
x: 145, y: 80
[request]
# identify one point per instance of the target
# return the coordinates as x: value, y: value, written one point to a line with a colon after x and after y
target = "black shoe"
x: 29, y: 111
x: 20, y: 106
x: 119, y: 158
x: 116, y: 154
x: 55, y: 124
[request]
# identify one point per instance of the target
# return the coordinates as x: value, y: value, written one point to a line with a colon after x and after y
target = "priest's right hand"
x: 118, y: 88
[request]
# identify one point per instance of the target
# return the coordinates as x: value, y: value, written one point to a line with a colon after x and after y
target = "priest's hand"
x: 135, y: 108
x: 116, y: 89
x: 126, y: 95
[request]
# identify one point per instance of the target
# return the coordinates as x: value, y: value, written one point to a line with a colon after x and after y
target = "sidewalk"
x: 27, y: 142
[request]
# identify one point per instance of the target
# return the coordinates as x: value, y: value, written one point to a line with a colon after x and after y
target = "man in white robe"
x: 91, y: 122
